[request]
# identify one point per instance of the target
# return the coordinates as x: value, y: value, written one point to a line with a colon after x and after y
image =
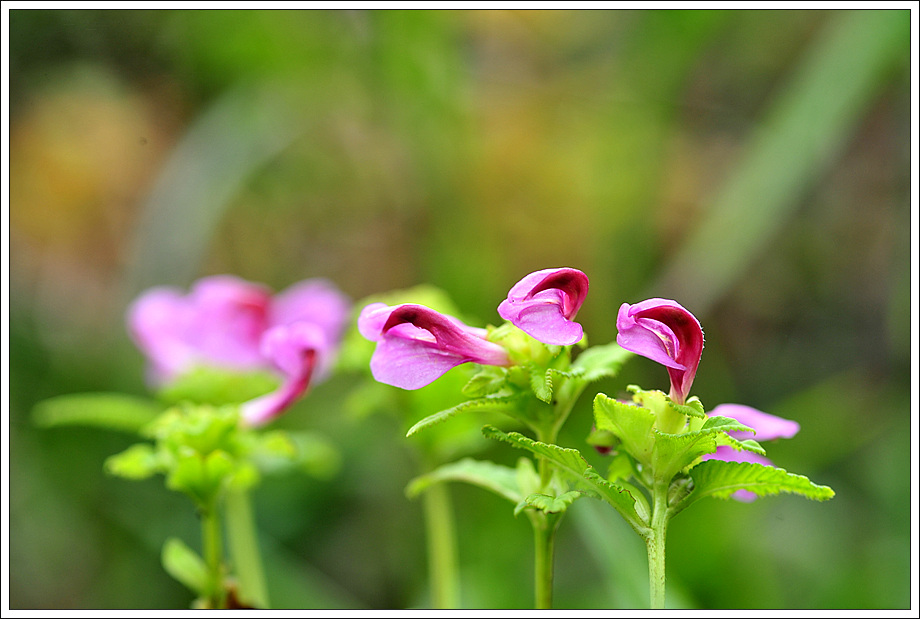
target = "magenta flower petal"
x: 544, y: 303
x: 416, y: 345
x: 157, y: 322
x: 316, y: 301
x: 294, y: 350
x: 220, y: 323
x: 663, y: 331
x: 230, y: 323
x: 227, y: 317
x: 320, y: 303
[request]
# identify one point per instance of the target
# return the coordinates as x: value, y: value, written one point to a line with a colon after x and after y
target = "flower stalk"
x: 655, y: 545
x: 442, y: 548
x: 244, y: 547
x: 213, y: 550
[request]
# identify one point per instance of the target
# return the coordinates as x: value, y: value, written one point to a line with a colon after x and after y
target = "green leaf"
x: 673, y: 452
x: 547, y: 503
x: 630, y: 423
x: 721, y: 479
x: 112, y: 411
x: 543, y: 383
x: 496, y: 478
x: 138, y: 462
x: 489, y: 380
x: 665, y: 454
x: 503, y: 404
x: 692, y: 407
x: 185, y: 565
x: 571, y: 461
x: 601, y: 361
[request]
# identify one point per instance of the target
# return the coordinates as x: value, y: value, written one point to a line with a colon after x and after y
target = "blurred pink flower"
x: 663, y: 331
x: 416, y: 345
x: 229, y: 323
x: 544, y: 303
x: 766, y: 428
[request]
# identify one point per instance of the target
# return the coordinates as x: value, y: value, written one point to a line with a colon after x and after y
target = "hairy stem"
x: 655, y: 543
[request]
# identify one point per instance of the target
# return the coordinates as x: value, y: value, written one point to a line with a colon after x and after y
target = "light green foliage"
x: 501, y: 480
x: 547, y: 503
x: 668, y: 458
x: 208, y: 385
x: 112, y: 411
x: 500, y: 404
x: 603, y: 361
x: 631, y: 424
x: 203, y: 451
x: 721, y: 479
x: 581, y: 472
x: 185, y: 565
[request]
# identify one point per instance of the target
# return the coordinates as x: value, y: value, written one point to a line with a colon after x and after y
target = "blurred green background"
x: 753, y: 165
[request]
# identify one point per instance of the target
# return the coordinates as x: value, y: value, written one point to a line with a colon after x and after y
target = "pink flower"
x: 229, y: 323
x: 416, y: 345
x: 766, y: 428
x: 544, y: 303
x: 663, y: 331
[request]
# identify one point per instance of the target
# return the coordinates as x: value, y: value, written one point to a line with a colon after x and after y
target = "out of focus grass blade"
x: 801, y: 134
x: 232, y: 139
x: 113, y: 411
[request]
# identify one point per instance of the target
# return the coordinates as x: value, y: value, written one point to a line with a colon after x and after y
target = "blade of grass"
x: 801, y: 133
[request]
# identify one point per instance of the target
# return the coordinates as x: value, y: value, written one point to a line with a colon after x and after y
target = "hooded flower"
x: 228, y: 323
x: 416, y: 345
x: 766, y: 428
x: 544, y: 303
x: 663, y: 331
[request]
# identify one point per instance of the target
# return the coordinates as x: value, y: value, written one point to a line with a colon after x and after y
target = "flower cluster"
x: 663, y: 331
x: 229, y: 323
x: 416, y: 345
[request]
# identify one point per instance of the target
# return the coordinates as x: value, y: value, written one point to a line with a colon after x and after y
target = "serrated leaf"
x: 664, y: 453
x: 721, y: 479
x: 544, y: 382
x: 571, y: 461
x: 692, y: 407
x: 113, y: 411
x: 673, y: 452
x: 489, y: 380
x: 496, y: 478
x: 138, y: 462
x: 601, y: 361
x: 630, y: 423
x: 541, y: 383
x: 547, y: 503
x: 503, y: 404
x: 185, y: 565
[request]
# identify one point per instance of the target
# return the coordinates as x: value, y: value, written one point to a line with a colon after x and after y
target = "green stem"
x: 212, y: 548
x: 244, y: 546
x: 442, y: 547
x: 544, y: 537
x: 655, y: 543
